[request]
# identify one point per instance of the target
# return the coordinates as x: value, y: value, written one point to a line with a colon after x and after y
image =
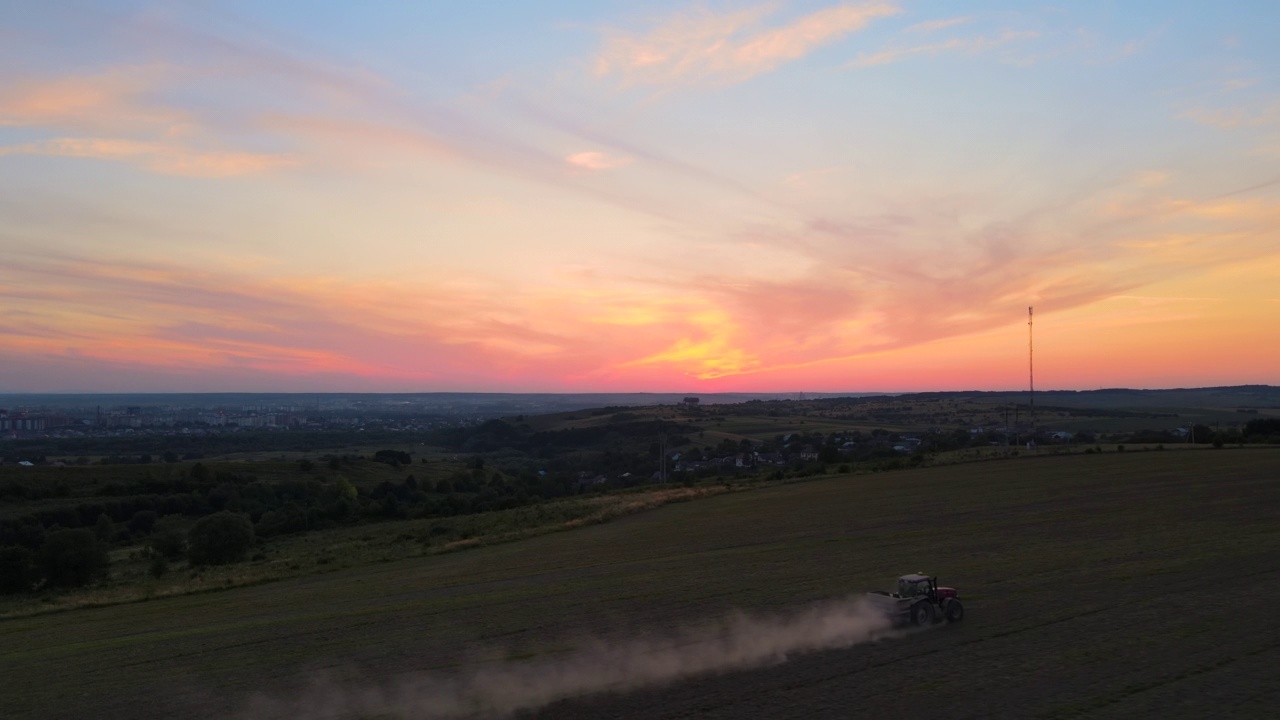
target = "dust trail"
x: 740, y: 641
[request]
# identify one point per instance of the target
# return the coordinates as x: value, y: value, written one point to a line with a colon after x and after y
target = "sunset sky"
x: 625, y: 196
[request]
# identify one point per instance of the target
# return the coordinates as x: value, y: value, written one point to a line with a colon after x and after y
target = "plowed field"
x: 1114, y: 585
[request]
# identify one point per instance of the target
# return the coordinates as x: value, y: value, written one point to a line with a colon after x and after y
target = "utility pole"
x: 1031, y: 367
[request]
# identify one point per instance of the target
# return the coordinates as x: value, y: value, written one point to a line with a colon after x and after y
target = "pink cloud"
x: 592, y: 160
x: 702, y: 46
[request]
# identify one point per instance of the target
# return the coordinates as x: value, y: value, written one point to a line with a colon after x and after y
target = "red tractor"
x: 919, y: 601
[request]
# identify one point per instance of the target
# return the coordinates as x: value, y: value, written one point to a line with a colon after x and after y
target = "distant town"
x: 58, y: 416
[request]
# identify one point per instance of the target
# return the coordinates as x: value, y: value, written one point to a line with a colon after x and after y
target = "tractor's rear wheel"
x: 954, y: 611
x: 922, y: 614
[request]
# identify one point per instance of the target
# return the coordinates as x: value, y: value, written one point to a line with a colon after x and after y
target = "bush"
x: 71, y: 558
x: 219, y: 539
x: 17, y: 570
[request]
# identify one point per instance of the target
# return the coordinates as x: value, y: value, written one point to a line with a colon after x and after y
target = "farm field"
x: 1102, y: 585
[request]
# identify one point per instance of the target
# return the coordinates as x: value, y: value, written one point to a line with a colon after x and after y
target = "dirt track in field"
x: 1096, y: 586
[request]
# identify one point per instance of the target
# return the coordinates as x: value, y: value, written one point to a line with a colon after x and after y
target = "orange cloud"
x: 703, y: 46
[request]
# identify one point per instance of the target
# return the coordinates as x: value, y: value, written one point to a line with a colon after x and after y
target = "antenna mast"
x: 1031, y: 366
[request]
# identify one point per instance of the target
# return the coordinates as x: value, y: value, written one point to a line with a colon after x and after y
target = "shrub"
x: 71, y: 558
x: 219, y: 539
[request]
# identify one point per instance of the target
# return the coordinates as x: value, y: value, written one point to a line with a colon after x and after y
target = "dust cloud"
x: 739, y: 641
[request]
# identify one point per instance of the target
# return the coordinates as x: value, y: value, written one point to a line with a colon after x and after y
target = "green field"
x: 1114, y: 584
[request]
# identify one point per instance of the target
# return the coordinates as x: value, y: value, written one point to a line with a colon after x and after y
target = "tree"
x: 71, y: 558
x: 1262, y: 428
x: 219, y: 539
x: 346, y: 490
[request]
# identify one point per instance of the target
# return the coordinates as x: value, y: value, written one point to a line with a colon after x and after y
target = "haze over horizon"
x: 637, y: 197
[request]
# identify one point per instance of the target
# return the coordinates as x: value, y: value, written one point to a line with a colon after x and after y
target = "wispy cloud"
x: 1236, y: 117
x: 971, y: 45
x: 701, y: 46
x: 160, y: 157
x: 113, y: 101
x: 130, y: 124
x: 595, y: 160
x: 1238, y: 84
x: 1151, y: 178
x: 862, y: 287
x: 861, y: 297
x: 934, y: 25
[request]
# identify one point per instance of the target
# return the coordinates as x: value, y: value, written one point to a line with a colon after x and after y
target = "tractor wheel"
x: 922, y: 614
x: 954, y: 611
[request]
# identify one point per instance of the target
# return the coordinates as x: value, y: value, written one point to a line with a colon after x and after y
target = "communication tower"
x: 1031, y: 366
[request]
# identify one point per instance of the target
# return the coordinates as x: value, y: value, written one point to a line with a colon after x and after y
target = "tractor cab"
x: 917, y: 585
x: 910, y: 586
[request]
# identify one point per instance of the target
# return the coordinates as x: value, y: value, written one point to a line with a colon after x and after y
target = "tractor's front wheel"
x: 922, y: 614
x: 954, y: 611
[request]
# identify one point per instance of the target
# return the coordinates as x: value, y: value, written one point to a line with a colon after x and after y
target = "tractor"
x: 919, y: 601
